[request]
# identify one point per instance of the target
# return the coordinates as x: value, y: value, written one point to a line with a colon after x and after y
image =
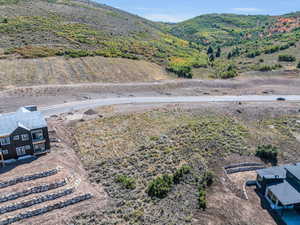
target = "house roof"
x: 24, y: 118
x: 277, y: 172
x: 294, y: 169
x: 285, y: 193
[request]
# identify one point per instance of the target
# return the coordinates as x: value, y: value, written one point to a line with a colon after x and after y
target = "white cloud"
x: 247, y: 10
x: 166, y: 18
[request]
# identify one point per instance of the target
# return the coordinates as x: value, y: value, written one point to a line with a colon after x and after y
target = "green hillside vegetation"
x: 243, y: 40
x: 74, y: 28
x: 221, y: 29
x: 81, y: 28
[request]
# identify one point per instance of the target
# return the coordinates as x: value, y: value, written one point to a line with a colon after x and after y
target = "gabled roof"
x: 24, y: 118
x: 294, y: 169
x: 277, y: 172
x: 285, y: 193
x: 284, y: 189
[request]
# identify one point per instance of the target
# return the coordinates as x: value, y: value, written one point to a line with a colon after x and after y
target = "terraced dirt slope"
x: 67, y: 183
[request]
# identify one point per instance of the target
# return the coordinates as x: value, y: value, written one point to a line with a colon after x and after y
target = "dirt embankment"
x: 70, y: 169
x: 59, y: 70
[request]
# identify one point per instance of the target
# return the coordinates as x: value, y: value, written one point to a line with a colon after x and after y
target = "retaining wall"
x: 35, y: 201
x: 243, y: 165
x: 46, y: 209
x: 17, y: 180
x: 34, y: 190
x: 243, y: 169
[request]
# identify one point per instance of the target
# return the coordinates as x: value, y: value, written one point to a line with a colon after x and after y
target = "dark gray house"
x: 23, y: 133
x: 280, y: 186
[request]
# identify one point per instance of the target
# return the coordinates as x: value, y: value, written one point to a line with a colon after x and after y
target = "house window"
x: 37, y: 135
x: 27, y: 147
x: 21, y: 151
x: 5, y: 141
x: 272, y: 197
x: 39, y: 148
x: 25, y: 137
x: 16, y: 138
x: 4, y: 152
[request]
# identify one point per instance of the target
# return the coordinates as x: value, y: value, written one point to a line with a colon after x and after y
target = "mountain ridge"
x: 81, y: 28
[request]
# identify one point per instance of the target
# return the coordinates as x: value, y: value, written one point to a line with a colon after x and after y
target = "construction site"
x: 49, y: 189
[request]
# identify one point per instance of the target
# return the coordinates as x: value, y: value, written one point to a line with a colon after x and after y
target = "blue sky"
x: 179, y: 10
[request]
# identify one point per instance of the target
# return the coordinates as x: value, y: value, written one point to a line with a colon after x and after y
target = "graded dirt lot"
x: 59, y: 70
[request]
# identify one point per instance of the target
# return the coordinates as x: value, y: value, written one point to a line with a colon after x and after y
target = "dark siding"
x: 15, y: 144
x: 12, y: 153
x: 46, y: 136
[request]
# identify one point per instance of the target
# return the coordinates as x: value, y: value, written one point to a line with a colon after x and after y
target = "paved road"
x: 71, y: 106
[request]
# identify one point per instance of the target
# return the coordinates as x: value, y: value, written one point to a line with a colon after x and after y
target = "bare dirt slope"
x: 70, y: 168
x: 59, y: 70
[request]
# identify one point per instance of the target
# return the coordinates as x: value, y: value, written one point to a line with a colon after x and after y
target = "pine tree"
x: 218, y: 54
x: 210, y: 50
x: 229, y: 55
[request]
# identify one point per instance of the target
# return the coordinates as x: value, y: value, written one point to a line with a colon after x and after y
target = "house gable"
x: 24, y: 132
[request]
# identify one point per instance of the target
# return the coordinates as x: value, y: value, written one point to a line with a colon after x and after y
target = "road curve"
x: 72, y: 106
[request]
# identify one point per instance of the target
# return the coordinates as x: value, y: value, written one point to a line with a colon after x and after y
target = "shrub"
x: 253, y: 54
x: 209, y: 178
x: 225, y: 70
x: 181, y: 71
x: 286, y: 58
x: 178, y: 175
x: 298, y: 66
x: 272, y: 49
x: 160, y: 186
x: 228, y: 74
x: 126, y: 182
x: 267, y: 152
x: 265, y: 68
x: 77, y: 53
x: 202, y: 198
